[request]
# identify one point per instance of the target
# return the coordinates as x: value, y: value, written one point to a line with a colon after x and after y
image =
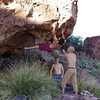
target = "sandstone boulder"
x: 92, y: 46
x: 27, y: 22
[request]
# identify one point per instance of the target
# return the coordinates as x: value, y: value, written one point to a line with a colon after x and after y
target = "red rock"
x: 92, y: 46
x: 35, y: 17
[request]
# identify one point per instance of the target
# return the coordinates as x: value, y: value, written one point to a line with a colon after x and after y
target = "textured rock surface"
x: 92, y: 46
x: 26, y: 22
x: 74, y: 97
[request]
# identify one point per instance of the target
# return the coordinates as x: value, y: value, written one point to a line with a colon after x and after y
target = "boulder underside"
x: 28, y: 22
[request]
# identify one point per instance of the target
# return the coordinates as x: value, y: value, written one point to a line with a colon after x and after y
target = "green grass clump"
x: 90, y: 65
x: 92, y: 85
x: 31, y: 80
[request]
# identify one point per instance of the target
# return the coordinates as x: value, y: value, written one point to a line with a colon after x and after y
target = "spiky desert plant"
x: 29, y: 79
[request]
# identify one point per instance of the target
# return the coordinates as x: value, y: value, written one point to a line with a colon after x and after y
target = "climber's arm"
x: 54, y: 25
x: 32, y: 47
x: 62, y: 32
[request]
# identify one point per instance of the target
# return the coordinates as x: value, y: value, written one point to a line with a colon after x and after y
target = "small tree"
x: 77, y: 42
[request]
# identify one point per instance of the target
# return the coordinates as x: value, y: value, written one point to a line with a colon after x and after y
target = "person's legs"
x: 67, y: 76
x: 58, y: 79
x: 74, y: 82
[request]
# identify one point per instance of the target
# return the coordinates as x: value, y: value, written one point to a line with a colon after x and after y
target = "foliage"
x: 97, y: 64
x: 31, y: 80
x: 77, y: 42
x: 91, y: 85
x: 92, y: 66
x: 93, y: 69
x: 84, y: 62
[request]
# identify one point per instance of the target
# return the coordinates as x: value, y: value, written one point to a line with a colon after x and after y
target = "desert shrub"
x: 90, y: 65
x: 97, y: 64
x: 77, y: 42
x: 93, y: 69
x: 91, y: 85
x: 31, y: 80
x: 96, y: 73
x: 84, y: 62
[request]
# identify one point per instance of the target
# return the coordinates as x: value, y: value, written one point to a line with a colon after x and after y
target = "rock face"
x: 78, y: 97
x: 92, y: 46
x: 27, y: 22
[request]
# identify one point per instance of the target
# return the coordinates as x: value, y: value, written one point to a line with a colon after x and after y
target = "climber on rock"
x: 49, y: 46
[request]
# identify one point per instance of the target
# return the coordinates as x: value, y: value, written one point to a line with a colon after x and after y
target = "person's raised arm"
x: 32, y: 47
x: 61, y: 54
x: 54, y: 31
x: 62, y: 32
x: 26, y: 48
x: 51, y: 70
x: 62, y: 70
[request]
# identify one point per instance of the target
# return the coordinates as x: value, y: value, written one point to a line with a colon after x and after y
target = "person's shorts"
x: 58, y: 78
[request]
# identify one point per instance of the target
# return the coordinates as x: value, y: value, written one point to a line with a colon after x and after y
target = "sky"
x: 88, y: 19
